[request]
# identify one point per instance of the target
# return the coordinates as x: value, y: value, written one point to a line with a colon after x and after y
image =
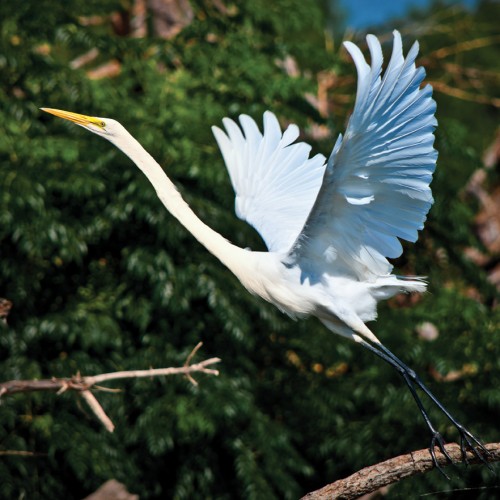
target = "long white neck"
x: 230, y: 255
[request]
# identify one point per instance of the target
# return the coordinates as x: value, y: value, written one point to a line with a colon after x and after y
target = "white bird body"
x: 262, y: 273
x: 329, y: 225
x: 340, y: 300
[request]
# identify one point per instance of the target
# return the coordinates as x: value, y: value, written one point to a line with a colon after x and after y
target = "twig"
x: 188, y: 360
x: 152, y: 372
x: 84, y: 384
x: 390, y: 471
x: 463, y: 94
x: 98, y: 410
x: 21, y: 453
x: 464, y: 46
x: 192, y: 353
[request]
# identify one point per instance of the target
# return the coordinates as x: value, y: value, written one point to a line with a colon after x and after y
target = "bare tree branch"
x: 372, y: 478
x: 79, y: 383
x: 83, y: 385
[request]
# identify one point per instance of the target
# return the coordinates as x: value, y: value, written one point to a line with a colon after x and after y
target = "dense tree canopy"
x: 102, y: 278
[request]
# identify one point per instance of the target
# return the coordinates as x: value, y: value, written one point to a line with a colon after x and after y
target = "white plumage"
x: 330, y: 226
x: 274, y: 179
x: 347, y: 215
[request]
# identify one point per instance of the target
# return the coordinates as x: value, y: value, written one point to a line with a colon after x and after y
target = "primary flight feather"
x: 329, y: 225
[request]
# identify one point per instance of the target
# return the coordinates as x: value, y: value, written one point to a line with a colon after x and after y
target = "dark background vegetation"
x: 102, y: 278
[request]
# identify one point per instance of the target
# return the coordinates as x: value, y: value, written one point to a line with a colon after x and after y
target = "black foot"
x: 469, y: 441
x: 437, y: 440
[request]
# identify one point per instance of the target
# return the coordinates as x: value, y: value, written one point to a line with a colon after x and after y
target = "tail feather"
x: 386, y: 287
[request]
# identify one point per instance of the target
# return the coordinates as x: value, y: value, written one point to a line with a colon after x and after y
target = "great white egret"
x: 329, y: 225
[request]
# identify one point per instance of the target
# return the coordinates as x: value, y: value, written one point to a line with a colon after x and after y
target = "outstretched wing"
x: 274, y: 179
x: 376, y: 184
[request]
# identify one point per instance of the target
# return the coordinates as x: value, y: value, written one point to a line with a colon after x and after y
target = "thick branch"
x: 376, y: 476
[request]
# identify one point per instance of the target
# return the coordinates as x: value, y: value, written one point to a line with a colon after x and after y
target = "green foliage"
x: 103, y: 279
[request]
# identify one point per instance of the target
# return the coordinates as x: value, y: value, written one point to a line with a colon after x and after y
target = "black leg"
x: 467, y: 439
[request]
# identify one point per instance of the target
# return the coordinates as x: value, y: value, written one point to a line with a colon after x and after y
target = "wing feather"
x: 375, y: 190
x: 273, y: 177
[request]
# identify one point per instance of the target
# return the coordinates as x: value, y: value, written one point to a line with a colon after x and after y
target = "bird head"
x: 105, y: 127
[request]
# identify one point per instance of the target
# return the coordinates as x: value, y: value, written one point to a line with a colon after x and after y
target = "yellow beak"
x: 75, y: 117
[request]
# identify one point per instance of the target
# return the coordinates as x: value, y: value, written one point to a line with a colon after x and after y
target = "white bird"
x: 329, y: 225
